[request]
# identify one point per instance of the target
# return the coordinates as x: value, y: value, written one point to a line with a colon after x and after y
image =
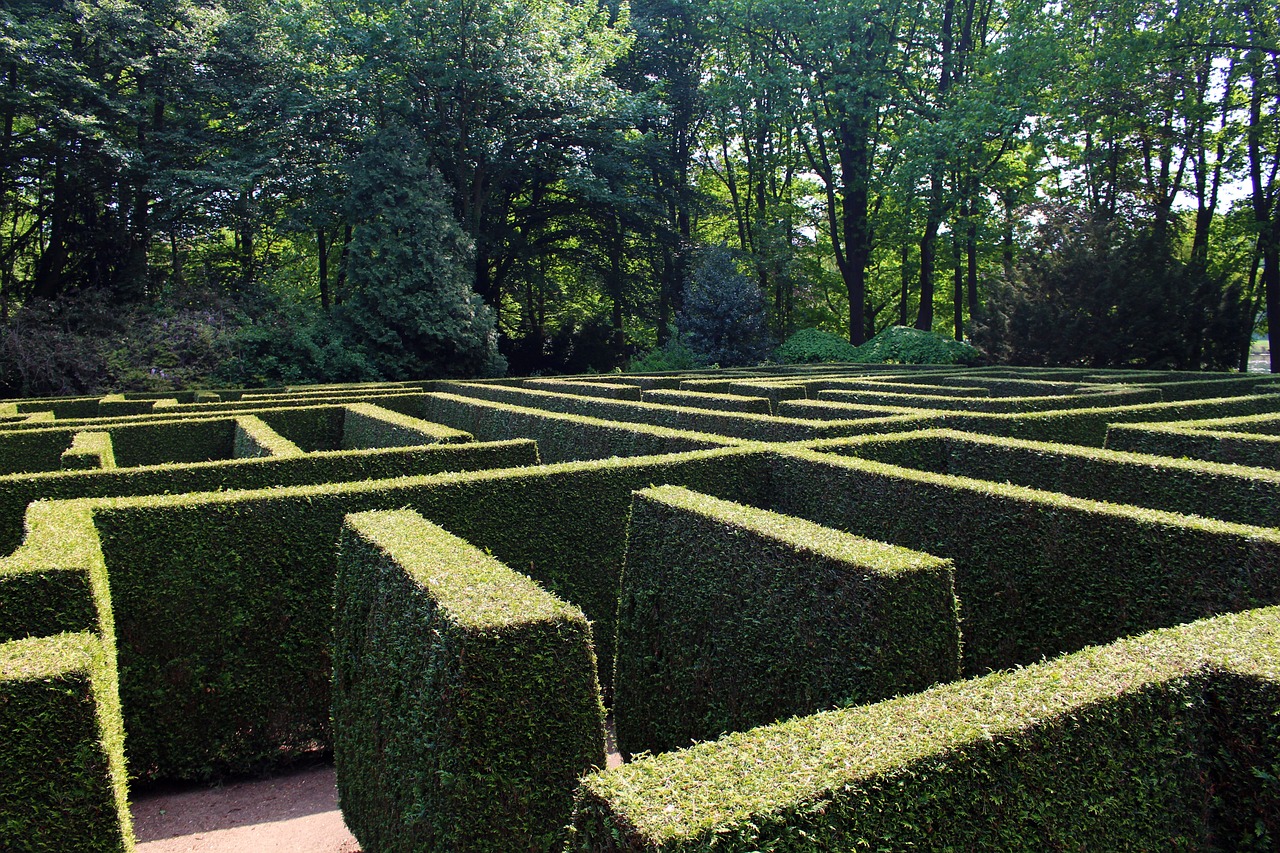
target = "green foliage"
x: 1154, y: 742
x: 1261, y: 451
x: 723, y: 318
x: 412, y: 313
x: 1092, y: 291
x: 1190, y: 487
x: 563, y: 437
x: 62, y: 770
x: 465, y: 701
x: 365, y: 425
x: 814, y: 345
x: 89, y: 450
x: 1039, y: 574
x: 732, y: 617
x: 675, y: 354
x: 222, y: 599
x: 255, y: 440
x: 904, y: 345
x: 735, y: 424
x: 707, y: 400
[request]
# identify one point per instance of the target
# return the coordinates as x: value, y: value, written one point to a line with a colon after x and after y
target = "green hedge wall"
x: 89, y: 450
x: 313, y: 428
x: 1039, y: 574
x: 992, y: 404
x: 817, y: 386
x: 731, y: 617
x: 222, y: 598
x: 1089, y: 426
x: 1268, y: 424
x: 735, y: 424
x: 561, y: 437
x: 465, y: 701
x: 365, y: 425
x: 706, y: 400
x: 1226, y: 492
x: 62, y: 772
x: 607, y: 390
x: 33, y: 450
x: 1113, y: 748
x: 179, y: 440
x: 255, y: 440
x: 49, y: 595
x: 1260, y: 451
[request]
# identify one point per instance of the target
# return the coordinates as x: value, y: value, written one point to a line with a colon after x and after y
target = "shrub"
x: 723, y: 318
x: 813, y: 345
x: 904, y: 345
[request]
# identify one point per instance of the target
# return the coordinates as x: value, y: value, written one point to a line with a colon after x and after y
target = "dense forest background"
x: 258, y: 192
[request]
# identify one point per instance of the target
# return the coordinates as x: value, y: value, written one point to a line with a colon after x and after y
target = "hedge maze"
x: 823, y: 608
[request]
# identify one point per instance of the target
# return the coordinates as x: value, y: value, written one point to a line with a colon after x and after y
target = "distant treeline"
x: 372, y: 188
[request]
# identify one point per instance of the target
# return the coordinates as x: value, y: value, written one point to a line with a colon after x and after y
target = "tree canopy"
x: 392, y: 188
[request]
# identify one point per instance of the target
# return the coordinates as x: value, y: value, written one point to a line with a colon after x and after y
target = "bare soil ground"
x: 292, y: 812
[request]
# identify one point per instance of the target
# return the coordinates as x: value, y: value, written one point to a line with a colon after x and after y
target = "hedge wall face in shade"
x: 465, y: 699
x: 731, y: 617
x: 1262, y: 451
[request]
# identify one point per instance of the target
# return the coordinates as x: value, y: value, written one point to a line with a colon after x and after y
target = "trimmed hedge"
x: 817, y: 386
x: 1089, y: 426
x: 1146, y: 744
x: 48, y: 596
x: 1268, y: 424
x: 734, y: 424
x: 608, y: 390
x: 365, y: 425
x: 222, y: 598
x: 1039, y: 574
x: 774, y: 392
x: 465, y: 701
x: 1232, y: 448
x: 731, y: 617
x: 561, y: 437
x: 89, y: 450
x: 1226, y: 492
x: 707, y: 400
x: 255, y: 440
x: 62, y: 769
x: 992, y: 404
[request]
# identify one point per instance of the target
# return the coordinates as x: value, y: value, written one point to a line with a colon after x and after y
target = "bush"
x: 813, y: 345
x: 62, y: 769
x: 1104, y: 292
x: 723, y: 319
x: 905, y: 345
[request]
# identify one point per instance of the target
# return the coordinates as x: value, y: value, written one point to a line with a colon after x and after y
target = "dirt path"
x: 291, y: 813
x: 294, y: 812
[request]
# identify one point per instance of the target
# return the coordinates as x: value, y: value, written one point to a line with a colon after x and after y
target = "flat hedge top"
x: 1074, y: 450
x: 805, y: 536
x: 690, y: 792
x: 38, y: 658
x: 1008, y: 490
x: 475, y: 589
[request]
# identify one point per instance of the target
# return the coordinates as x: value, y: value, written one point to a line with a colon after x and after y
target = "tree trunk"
x: 322, y: 252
